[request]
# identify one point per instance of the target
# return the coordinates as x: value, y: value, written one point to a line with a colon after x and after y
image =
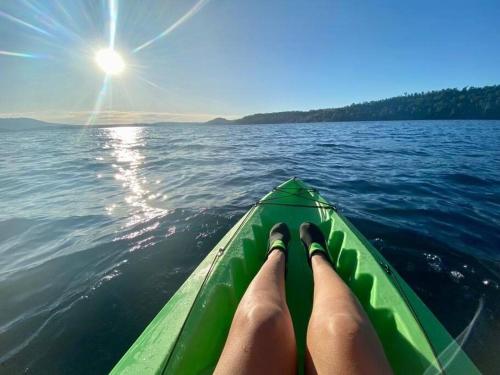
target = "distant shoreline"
x: 469, y: 103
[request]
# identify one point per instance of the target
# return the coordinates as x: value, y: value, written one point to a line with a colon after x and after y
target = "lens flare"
x: 195, y: 9
x: 24, y: 23
x: 110, y: 61
x: 19, y: 54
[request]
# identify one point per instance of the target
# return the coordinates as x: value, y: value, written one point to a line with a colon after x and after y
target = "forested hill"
x: 468, y: 103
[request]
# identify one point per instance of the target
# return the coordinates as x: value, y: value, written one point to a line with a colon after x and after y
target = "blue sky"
x: 235, y: 57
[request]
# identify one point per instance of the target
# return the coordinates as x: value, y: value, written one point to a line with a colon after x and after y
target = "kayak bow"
x: 188, y: 334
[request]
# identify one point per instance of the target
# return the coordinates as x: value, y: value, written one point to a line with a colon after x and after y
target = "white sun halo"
x: 110, y: 61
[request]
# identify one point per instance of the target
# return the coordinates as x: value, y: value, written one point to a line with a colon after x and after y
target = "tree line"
x: 466, y: 103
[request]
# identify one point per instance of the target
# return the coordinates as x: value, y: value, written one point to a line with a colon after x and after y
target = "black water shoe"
x: 279, y: 236
x: 313, y: 240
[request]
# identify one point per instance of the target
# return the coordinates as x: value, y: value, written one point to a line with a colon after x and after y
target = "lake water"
x: 100, y: 226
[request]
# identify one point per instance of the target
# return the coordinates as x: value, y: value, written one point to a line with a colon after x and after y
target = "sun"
x: 110, y: 61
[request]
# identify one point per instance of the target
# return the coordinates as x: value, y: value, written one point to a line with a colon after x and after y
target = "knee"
x: 267, y: 318
x: 346, y: 325
x: 341, y: 325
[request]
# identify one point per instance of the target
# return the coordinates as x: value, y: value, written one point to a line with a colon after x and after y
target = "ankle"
x: 276, y: 253
x: 320, y: 259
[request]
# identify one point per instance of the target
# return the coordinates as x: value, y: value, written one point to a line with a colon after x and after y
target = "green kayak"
x: 188, y: 334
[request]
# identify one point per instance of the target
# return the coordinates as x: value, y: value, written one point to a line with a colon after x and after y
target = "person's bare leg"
x: 340, y: 337
x: 261, y: 339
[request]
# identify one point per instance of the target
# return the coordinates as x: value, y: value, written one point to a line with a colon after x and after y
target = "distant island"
x: 469, y: 103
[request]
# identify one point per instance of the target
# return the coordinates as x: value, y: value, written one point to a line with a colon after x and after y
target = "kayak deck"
x: 188, y: 334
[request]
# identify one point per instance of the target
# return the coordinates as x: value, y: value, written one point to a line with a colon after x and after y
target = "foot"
x: 313, y: 240
x: 279, y: 236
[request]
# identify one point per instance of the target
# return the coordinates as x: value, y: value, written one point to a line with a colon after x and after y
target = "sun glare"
x: 110, y: 61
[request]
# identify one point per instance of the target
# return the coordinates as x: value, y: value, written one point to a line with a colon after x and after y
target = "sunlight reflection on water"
x: 124, y: 144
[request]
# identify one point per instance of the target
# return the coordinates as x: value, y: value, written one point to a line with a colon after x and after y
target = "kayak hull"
x: 188, y: 334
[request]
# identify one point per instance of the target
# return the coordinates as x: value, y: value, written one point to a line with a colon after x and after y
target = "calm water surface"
x: 99, y: 227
